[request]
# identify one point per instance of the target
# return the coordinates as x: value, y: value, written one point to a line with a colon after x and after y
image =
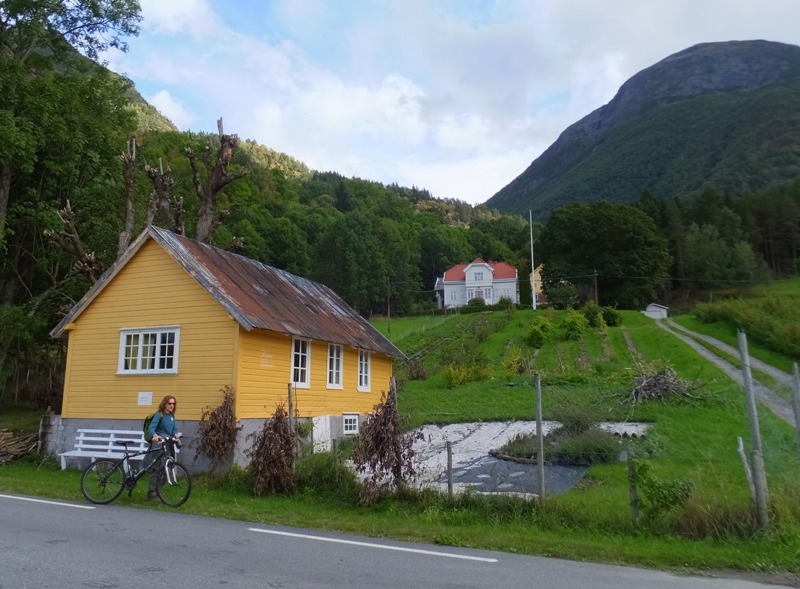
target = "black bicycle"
x: 105, y: 479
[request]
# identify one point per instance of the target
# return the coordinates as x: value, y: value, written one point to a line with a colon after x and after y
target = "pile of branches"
x: 219, y: 430
x: 382, y: 453
x: 273, y: 454
x: 651, y: 384
x: 11, y: 447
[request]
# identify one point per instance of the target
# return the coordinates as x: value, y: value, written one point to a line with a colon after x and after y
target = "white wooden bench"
x: 100, y: 443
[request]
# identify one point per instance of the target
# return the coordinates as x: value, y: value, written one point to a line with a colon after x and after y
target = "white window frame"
x: 160, y: 355
x: 453, y: 295
x: 478, y: 276
x: 335, y: 359
x: 349, y: 424
x: 304, y: 372
x: 364, y: 377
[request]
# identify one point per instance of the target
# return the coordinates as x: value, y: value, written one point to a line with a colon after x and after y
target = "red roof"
x: 502, y: 271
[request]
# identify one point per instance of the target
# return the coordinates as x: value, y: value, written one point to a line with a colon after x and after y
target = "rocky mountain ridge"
x: 701, y: 72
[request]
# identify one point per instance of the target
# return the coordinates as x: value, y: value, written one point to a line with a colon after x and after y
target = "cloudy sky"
x: 456, y: 96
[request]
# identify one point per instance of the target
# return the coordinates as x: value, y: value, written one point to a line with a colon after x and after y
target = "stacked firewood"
x: 648, y: 385
x: 12, y: 447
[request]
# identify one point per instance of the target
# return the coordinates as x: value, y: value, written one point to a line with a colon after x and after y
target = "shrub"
x: 662, y: 495
x: 575, y: 325
x: 416, y: 371
x: 539, y: 331
x: 218, y: 430
x: 233, y: 480
x: 536, y: 337
x: 575, y: 420
x: 593, y: 312
x: 504, y: 303
x: 561, y: 295
x: 273, y: 454
x: 455, y: 375
x: 476, y: 302
x: 586, y: 448
x: 515, y: 360
x: 324, y: 477
x: 612, y: 317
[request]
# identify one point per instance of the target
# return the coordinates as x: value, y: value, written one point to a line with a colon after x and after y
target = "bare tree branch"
x: 70, y: 241
x: 217, y: 177
x: 128, y: 174
x: 169, y: 208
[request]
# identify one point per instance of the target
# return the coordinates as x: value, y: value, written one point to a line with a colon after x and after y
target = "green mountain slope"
x: 726, y: 114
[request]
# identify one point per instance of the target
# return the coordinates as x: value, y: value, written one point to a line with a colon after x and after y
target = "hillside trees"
x: 62, y: 123
x: 619, y: 242
x: 713, y: 237
x: 32, y: 46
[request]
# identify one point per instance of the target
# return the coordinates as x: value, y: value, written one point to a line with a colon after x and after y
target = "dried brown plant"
x: 273, y: 454
x: 219, y: 430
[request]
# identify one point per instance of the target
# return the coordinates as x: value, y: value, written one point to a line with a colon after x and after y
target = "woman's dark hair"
x: 163, y: 405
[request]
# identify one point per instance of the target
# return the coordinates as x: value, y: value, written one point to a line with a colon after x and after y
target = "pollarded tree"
x: 620, y: 242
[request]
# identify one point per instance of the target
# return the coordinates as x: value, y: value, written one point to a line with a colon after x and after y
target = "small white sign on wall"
x: 145, y: 398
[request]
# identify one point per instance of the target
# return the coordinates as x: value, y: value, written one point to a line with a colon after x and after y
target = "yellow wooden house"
x: 178, y: 317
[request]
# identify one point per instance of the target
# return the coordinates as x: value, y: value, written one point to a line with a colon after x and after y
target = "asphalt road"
x: 53, y: 544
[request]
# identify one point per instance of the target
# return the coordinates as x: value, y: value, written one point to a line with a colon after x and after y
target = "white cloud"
x: 173, y: 109
x: 455, y: 97
x: 179, y: 16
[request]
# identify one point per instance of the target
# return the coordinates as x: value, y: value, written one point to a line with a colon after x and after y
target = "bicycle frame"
x: 162, y: 450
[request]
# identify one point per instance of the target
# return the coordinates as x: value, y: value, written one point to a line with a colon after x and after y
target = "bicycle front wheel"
x: 102, y: 481
x: 174, y: 484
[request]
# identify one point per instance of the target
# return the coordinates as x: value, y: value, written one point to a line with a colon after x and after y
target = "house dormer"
x: 479, y: 273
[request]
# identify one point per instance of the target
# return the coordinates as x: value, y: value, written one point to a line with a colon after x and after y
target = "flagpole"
x: 533, y: 268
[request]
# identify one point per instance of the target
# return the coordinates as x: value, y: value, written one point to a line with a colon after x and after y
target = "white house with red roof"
x: 489, y: 281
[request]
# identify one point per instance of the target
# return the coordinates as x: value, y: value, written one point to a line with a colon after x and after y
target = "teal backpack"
x: 146, y: 426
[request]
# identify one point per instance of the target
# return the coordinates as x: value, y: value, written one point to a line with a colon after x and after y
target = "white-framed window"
x: 301, y: 362
x: 152, y: 350
x: 478, y: 276
x: 470, y: 294
x: 350, y: 423
x: 453, y: 295
x: 487, y: 293
x: 334, y: 366
x: 363, y: 370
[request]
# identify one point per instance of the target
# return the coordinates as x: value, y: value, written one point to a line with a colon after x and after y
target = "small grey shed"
x: 656, y: 311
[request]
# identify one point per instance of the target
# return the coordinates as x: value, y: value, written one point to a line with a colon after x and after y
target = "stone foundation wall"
x: 64, y: 431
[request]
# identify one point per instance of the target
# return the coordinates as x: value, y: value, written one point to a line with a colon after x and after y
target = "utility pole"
x: 533, y: 267
x: 388, y: 306
x: 596, y: 302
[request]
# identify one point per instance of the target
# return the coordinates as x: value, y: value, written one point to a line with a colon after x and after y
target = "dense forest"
x: 85, y: 164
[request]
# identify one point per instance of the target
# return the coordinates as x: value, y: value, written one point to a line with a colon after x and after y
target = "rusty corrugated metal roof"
x: 259, y: 296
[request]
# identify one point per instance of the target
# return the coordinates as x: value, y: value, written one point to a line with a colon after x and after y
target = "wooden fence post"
x: 634, y: 495
x: 756, y: 456
x: 796, y: 399
x: 449, y: 447
x: 539, y: 439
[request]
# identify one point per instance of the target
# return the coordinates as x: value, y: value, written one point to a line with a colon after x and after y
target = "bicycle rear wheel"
x: 102, y: 482
x: 174, y: 484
